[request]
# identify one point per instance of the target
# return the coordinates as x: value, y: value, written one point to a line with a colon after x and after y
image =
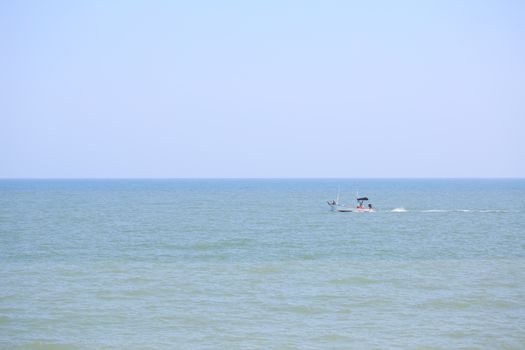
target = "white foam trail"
x: 399, y: 210
x: 464, y: 211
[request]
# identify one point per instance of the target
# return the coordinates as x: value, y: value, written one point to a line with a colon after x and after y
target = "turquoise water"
x: 261, y: 264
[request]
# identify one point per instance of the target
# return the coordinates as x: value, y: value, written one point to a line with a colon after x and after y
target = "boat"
x: 335, y: 205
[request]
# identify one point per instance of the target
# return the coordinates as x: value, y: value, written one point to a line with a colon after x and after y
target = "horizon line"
x: 274, y: 178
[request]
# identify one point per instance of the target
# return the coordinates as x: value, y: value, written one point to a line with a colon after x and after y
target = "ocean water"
x: 261, y: 264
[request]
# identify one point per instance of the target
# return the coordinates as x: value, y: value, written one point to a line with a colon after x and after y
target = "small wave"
x: 266, y: 269
x: 435, y: 211
x: 331, y: 337
x: 354, y: 281
x: 447, y: 304
x: 222, y: 244
x: 299, y: 309
x: 399, y: 210
x: 41, y: 345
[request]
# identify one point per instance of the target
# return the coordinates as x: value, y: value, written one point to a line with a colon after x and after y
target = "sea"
x: 262, y: 264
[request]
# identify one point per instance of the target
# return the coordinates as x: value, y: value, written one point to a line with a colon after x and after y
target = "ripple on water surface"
x: 167, y: 264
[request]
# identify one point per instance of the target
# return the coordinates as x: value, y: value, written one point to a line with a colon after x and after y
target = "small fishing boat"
x: 335, y: 205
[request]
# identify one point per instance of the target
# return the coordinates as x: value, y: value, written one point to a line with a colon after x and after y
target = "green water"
x: 261, y: 264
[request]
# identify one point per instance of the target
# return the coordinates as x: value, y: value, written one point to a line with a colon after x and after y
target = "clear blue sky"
x: 262, y: 88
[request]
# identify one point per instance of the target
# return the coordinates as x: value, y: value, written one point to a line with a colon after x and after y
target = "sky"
x: 279, y: 89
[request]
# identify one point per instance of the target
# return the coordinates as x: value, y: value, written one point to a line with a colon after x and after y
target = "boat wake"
x: 403, y: 210
x: 399, y: 210
x: 464, y: 211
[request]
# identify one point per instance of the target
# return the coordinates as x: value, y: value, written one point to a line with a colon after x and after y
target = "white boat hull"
x: 348, y: 209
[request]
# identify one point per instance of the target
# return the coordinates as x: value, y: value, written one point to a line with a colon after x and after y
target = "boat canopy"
x: 362, y: 199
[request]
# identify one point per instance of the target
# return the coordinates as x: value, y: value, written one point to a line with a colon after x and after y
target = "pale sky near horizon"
x: 262, y: 89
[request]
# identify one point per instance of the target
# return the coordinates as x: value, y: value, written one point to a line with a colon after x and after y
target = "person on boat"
x: 369, y: 206
x: 359, y: 206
